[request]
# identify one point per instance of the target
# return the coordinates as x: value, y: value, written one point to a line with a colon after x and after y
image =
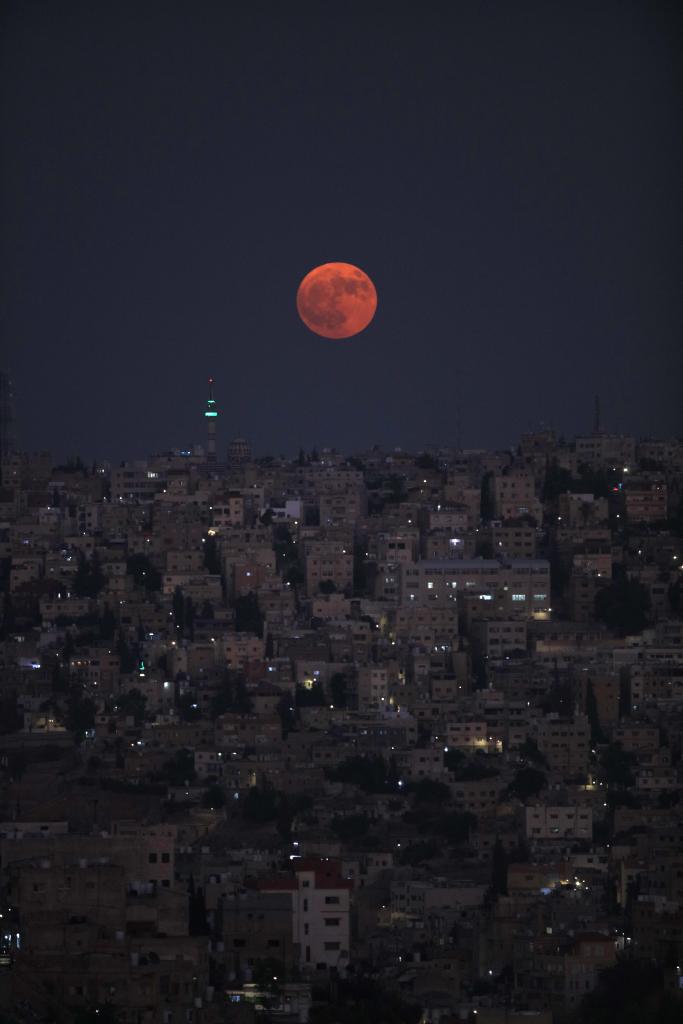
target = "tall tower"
x: 211, y: 414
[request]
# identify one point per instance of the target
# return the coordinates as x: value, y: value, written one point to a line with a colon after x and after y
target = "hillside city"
x: 389, y: 737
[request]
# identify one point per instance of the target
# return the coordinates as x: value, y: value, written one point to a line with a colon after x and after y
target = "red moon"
x: 336, y: 300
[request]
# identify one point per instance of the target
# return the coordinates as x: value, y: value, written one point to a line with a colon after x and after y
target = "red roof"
x: 327, y: 875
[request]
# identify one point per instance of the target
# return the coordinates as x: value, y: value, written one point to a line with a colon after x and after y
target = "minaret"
x: 211, y: 414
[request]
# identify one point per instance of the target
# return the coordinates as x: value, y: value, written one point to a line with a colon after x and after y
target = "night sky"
x: 508, y: 173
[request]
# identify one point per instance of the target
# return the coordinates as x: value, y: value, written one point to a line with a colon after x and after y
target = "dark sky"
x: 508, y: 173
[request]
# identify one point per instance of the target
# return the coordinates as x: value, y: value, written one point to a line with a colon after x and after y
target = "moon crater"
x: 336, y: 300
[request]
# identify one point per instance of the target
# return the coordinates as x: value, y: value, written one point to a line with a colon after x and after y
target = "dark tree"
x: 499, y: 870
x: 179, y: 769
x: 530, y: 751
x: 592, y: 714
x: 527, y: 782
x: 350, y: 827
x: 89, y: 579
x: 144, y: 574
x: 133, y: 703
x: 261, y: 805
x: 214, y: 797
x: 418, y: 852
x: 624, y: 605
x: 187, y: 707
x: 632, y: 992
x: 618, y: 766
x: 309, y: 697
x: 80, y: 715
x: 373, y: 774
x: 179, y: 610
x: 338, y: 690
x: 429, y: 791
x: 486, y: 504
x: 107, y: 625
x: 248, y: 616
x: 197, y: 924
x: 211, y: 556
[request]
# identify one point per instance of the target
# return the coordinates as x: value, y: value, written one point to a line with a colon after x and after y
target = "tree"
x: 617, y: 766
x: 197, y: 923
x: 363, y: 1001
x: 127, y: 659
x: 486, y: 504
x: 80, y: 715
x: 631, y: 992
x: 624, y: 604
x: 260, y: 805
x: 350, y: 826
x: 527, y: 782
x: 372, y: 773
x: 179, y: 769
x: 189, y: 617
x: 233, y: 696
x: 530, y: 751
x: 418, y: 852
x: 426, y: 461
x: 558, y: 480
x: 133, y: 703
x: 8, y: 617
x: 308, y: 697
x: 144, y: 574
x: 88, y: 579
x: 499, y: 870
x: 248, y: 616
x: 592, y: 714
x: 294, y: 577
x: 456, y: 826
x: 429, y: 791
x: 179, y: 610
x: 453, y: 759
x: 338, y: 690
x: 107, y: 625
x: 214, y: 797
x: 101, y: 1013
x: 187, y: 707
x: 11, y: 716
x: 327, y: 587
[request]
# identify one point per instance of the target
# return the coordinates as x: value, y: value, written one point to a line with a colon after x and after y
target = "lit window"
x: 519, y: 597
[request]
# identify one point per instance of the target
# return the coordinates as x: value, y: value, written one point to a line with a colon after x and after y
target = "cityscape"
x: 341, y: 512
x: 387, y: 735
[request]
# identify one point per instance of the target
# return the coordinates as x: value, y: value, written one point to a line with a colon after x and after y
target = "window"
x: 518, y: 597
x: 329, y: 946
x: 165, y: 858
x: 332, y: 922
x: 152, y: 858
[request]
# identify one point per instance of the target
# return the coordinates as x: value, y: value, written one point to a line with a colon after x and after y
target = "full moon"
x: 336, y: 300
